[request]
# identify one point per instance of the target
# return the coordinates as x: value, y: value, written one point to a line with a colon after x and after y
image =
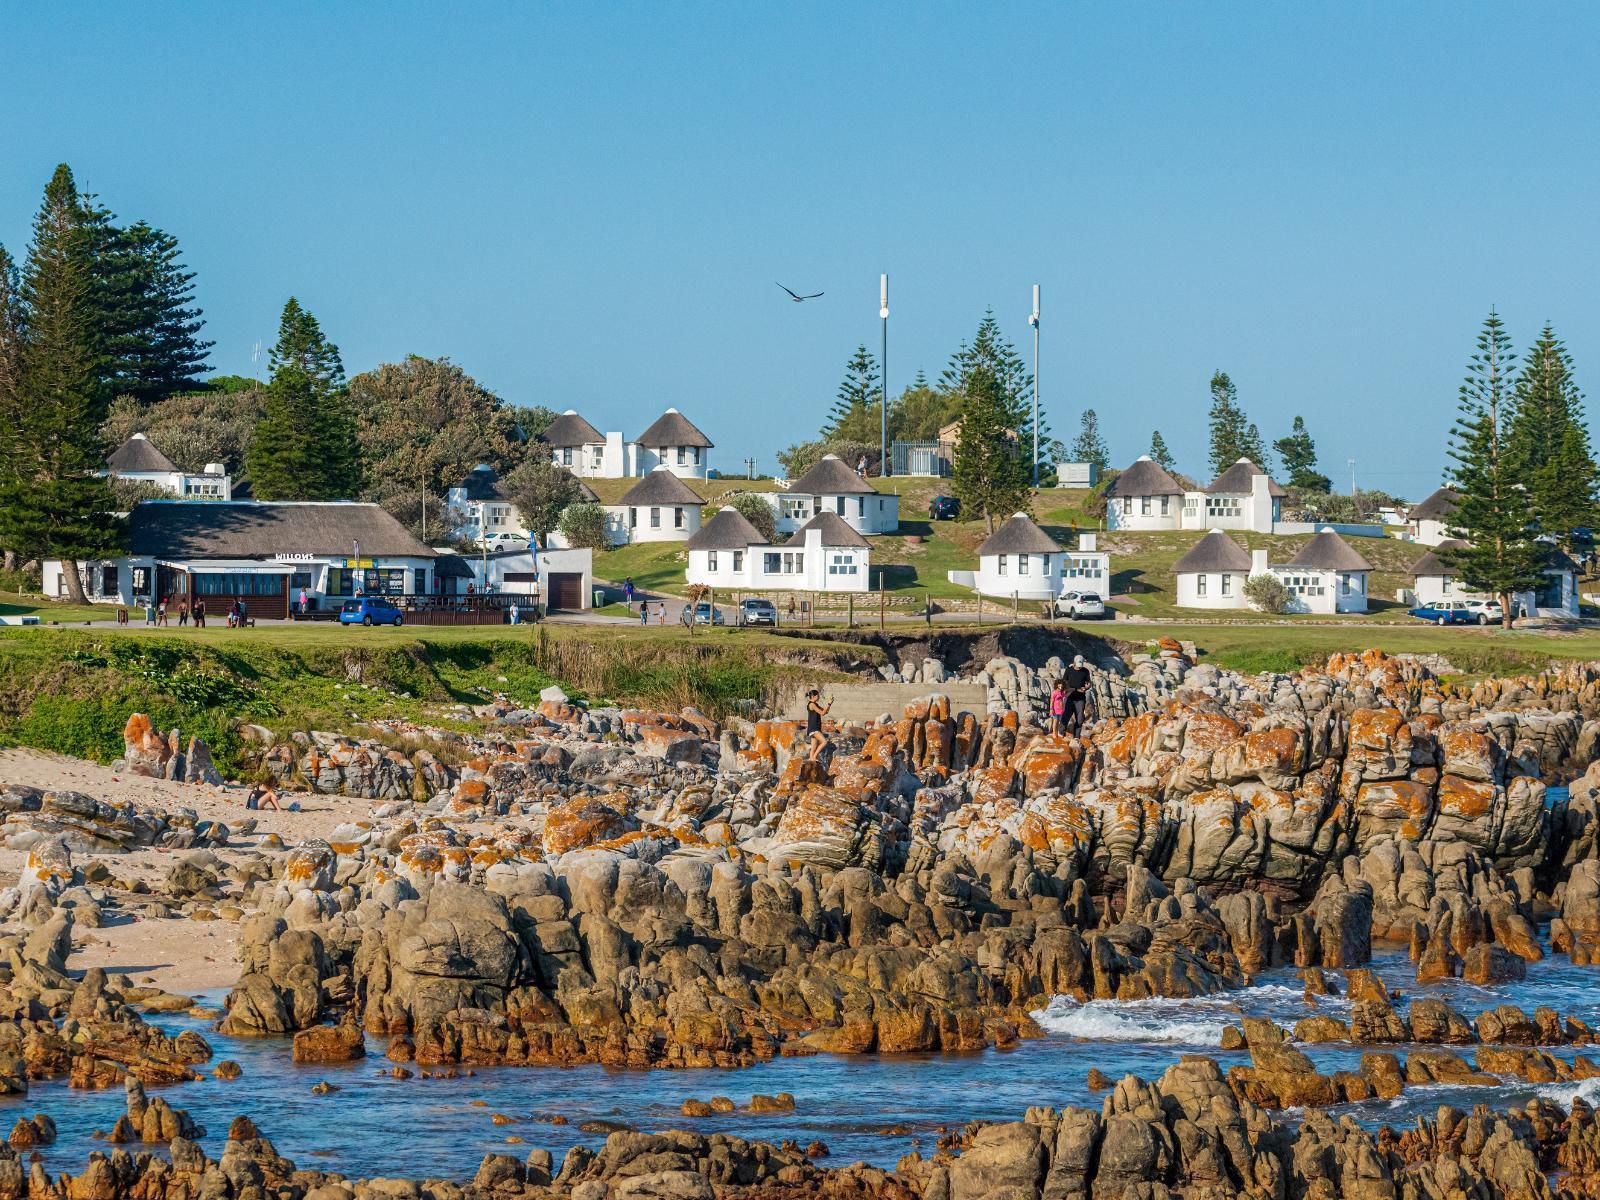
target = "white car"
x: 504, y: 541
x: 1485, y: 612
x: 1080, y: 605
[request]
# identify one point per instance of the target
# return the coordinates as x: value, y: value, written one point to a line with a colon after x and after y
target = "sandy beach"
x: 177, y: 954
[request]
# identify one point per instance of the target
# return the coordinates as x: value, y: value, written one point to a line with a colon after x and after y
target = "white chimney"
x: 1086, y: 541
x: 1258, y: 562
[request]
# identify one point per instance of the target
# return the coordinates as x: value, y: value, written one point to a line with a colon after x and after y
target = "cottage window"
x: 420, y: 581
x: 772, y: 563
x: 1227, y: 584
x: 711, y: 560
x: 838, y: 505
x: 566, y: 456
x: 596, y: 457
x: 1164, y: 503
x: 694, y: 453
x: 1000, y: 566
x: 677, y: 518
x: 1022, y: 564
x: 683, y: 455
x: 1448, y: 585
x: 843, y: 564
x: 1200, y: 584
x: 141, y: 581
x: 655, y: 518
x: 1127, y: 506
x: 1044, y: 564
x: 1144, y: 506
x: 108, y: 579
x: 633, y: 518
x: 738, y: 561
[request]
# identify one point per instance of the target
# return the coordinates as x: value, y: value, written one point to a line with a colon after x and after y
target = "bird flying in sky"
x: 800, y: 299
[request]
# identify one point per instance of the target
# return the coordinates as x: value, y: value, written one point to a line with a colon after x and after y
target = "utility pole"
x: 883, y: 367
x: 1033, y: 320
x: 749, y: 468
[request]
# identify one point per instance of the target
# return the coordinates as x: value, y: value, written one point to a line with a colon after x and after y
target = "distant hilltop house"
x: 1020, y: 561
x: 933, y: 456
x: 833, y: 487
x: 138, y: 460
x: 661, y: 507
x: 823, y: 555
x: 672, y: 441
x: 1147, y: 497
x: 483, y: 511
x: 1433, y: 579
x: 1326, y: 576
x: 1428, y: 520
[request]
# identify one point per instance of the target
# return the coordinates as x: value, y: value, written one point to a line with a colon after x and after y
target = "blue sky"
x: 587, y: 205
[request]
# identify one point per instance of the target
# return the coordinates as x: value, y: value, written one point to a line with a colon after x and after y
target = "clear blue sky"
x: 587, y: 205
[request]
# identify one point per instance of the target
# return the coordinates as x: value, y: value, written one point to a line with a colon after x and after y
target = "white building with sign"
x: 264, y: 554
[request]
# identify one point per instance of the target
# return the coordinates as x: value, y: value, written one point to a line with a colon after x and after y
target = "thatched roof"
x: 482, y: 483
x: 1019, y: 535
x: 569, y: 429
x: 835, y: 531
x: 1212, y: 553
x: 262, y: 529
x: 1146, y: 477
x: 830, y: 477
x: 1329, y: 552
x: 1431, y: 564
x: 672, y: 428
x: 137, y: 454
x: 661, y: 486
x: 1437, y: 507
x: 728, y: 530
x: 1235, y: 481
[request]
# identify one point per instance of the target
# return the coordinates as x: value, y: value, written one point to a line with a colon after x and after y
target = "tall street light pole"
x: 883, y: 366
x: 1034, y: 321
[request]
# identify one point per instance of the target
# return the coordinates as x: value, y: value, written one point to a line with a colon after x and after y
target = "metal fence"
x: 922, y: 458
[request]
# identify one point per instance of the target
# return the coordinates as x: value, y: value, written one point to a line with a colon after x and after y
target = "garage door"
x: 566, y: 589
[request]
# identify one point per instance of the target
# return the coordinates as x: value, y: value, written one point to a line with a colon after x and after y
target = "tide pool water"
x: 868, y: 1108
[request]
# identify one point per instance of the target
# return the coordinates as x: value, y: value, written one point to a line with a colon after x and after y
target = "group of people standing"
x: 156, y: 613
x: 1069, y: 699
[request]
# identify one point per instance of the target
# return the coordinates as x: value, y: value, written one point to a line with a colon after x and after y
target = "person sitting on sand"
x: 263, y: 795
x: 815, y: 711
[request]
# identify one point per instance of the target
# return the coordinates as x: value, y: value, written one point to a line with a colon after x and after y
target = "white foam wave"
x: 1128, y: 1021
x: 1564, y: 1093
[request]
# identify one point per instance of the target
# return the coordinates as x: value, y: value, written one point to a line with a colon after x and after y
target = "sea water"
x: 871, y: 1108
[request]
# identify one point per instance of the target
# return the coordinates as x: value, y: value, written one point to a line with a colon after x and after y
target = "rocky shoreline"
x: 643, y: 889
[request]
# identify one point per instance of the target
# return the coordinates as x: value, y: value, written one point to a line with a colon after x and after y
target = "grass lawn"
x: 59, y: 610
x: 1471, y: 650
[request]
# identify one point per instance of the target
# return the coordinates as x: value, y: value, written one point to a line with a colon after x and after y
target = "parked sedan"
x: 702, y: 614
x: 370, y: 610
x: 944, y: 508
x: 1485, y: 612
x: 758, y: 612
x: 1080, y: 605
x: 1446, y: 612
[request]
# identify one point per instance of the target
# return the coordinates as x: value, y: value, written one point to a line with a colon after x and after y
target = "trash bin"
x: 599, y: 597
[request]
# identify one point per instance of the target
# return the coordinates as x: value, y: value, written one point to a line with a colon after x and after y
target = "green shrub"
x: 1266, y: 593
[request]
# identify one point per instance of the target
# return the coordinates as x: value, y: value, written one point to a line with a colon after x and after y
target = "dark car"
x: 758, y: 612
x: 945, y: 508
x: 370, y: 610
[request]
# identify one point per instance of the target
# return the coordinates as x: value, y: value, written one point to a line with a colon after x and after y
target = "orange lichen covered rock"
x: 583, y: 822
x: 820, y: 825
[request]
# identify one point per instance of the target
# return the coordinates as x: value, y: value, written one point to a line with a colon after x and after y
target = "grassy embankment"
x: 71, y: 691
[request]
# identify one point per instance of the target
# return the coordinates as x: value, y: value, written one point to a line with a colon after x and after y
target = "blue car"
x: 370, y: 610
x: 1446, y: 612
